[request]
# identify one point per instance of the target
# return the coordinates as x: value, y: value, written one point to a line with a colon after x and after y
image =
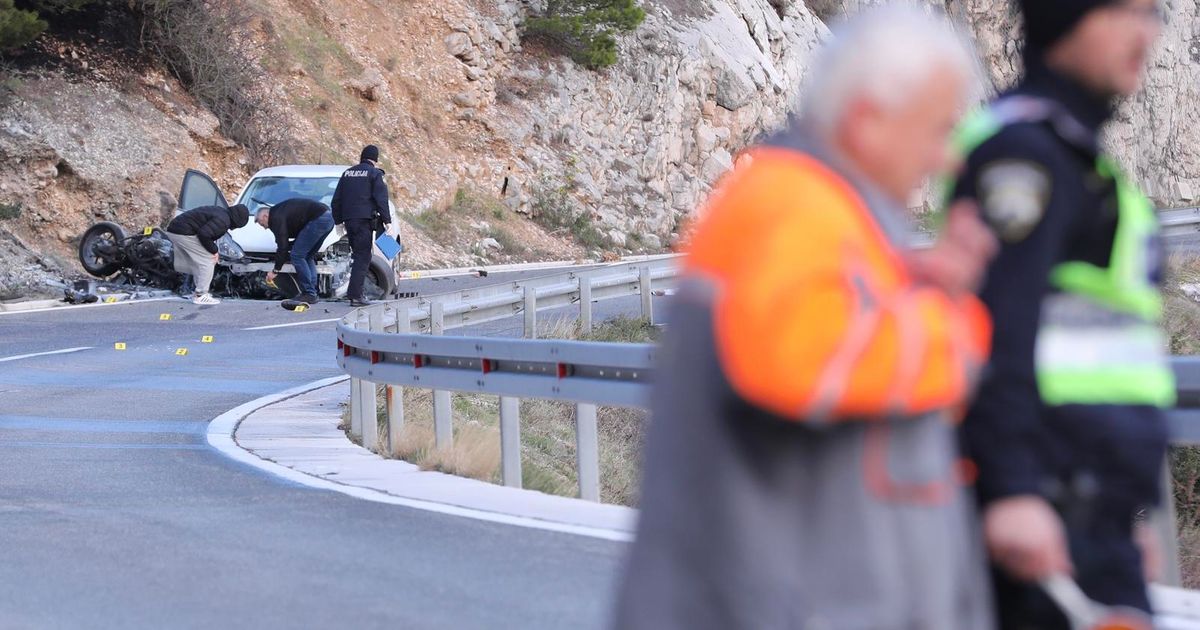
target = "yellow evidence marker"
x: 182, y: 352
x: 301, y: 308
x: 164, y: 317
x: 120, y: 345
x: 206, y: 339
x: 148, y: 231
x: 112, y: 299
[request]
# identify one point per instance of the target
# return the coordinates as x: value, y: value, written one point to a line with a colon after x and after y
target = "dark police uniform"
x: 361, y: 201
x: 1071, y: 404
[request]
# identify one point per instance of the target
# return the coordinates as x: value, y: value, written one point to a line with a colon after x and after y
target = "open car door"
x: 199, y: 190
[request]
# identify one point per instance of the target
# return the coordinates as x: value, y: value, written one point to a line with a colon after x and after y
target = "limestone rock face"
x: 643, y: 142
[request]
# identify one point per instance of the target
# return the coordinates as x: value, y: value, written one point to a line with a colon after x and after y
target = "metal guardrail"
x: 584, y: 373
x: 1177, y: 223
x: 1180, y: 222
x: 399, y: 344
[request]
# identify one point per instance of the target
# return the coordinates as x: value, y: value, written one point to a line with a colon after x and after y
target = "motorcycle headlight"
x: 229, y: 249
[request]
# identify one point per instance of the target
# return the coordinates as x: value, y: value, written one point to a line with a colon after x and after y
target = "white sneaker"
x: 205, y: 299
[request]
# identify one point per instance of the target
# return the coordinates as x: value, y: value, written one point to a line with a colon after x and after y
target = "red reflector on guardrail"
x: 488, y: 365
x: 418, y: 361
x: 564, y: 370
x: 341, y: 344
x: 347, y: 350
x: 375, y: 357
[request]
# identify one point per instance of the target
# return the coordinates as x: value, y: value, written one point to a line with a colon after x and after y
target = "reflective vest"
x: 816, y: 316
x: 1099, y: 340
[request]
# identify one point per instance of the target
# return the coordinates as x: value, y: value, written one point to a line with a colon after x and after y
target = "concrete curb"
x: 309, y: 454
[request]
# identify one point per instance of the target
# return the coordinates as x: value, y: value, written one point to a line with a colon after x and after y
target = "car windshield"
x: 272, y: 190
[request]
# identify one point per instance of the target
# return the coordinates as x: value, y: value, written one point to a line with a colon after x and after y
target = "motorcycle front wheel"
x: 100, y: 249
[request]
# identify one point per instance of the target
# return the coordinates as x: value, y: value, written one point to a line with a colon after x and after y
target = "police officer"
x: 361, y: 203
x: 1067, y: 431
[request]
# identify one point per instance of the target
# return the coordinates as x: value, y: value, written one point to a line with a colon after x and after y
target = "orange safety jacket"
x: 816, y: 316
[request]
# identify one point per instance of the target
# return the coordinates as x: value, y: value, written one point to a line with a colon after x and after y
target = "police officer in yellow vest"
x: 1067, y: 432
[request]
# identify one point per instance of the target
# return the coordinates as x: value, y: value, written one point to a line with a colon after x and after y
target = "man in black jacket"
x: 360, y: 201
x: 194, y: 235
x: 306, y: 221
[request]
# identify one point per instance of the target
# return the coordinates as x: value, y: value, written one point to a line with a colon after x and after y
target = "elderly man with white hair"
x: 801, y: 467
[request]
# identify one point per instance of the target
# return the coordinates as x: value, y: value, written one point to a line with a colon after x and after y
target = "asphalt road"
x: 115, y: 513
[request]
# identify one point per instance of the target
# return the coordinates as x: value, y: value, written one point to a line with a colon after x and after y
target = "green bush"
x: 586, y: 29
x: 21, y: 22
x: 18, y: 26
x: 9, y: 211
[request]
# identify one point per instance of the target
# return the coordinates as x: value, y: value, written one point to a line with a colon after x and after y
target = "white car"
x: 269, y: 187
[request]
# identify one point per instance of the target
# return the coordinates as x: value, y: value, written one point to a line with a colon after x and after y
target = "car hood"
x: 256, y: 239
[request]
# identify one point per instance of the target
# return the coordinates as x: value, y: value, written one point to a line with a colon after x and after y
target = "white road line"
x: 315, y: 321
x: 79, y: 306
x: 43, y: 354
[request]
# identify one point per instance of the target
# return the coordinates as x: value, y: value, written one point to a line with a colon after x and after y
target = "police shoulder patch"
x: 1014, y: 195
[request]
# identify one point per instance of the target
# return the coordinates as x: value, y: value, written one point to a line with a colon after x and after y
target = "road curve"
x: 115, y: 513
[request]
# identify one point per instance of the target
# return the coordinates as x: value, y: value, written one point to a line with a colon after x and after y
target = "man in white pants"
x: 195, y: 234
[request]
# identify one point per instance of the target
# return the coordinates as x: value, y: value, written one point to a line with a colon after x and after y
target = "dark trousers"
x: 362, y: 241
x: 304, y: 251
x: 1108, y: 567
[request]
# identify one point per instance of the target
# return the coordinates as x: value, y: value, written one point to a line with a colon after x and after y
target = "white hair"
x: 884, y: 54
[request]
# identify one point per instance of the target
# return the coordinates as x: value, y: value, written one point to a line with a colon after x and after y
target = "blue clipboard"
x: 388, y: 246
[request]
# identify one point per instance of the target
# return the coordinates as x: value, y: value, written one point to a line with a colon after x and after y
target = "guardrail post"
x: 436, y: 318
x: 355, y: 408
x: 443, y: 419
x: 587, y: 452
x: 369, y: 403
x: 647, y: 297
x: 395, y: 394
x: 1164, y: 520
x: 530, y: 313
x: 510, y: 441
x: 585, y: 304
x: 370, y: 400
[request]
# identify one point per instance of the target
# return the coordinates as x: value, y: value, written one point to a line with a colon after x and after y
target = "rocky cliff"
x: 459, y: 103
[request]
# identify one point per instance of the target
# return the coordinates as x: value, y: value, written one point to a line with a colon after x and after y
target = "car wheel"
x: 380, y: 280
x: 99, y: 240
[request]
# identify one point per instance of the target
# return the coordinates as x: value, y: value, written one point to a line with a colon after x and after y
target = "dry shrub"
x: 208, y: 46
x: 1189, y: 558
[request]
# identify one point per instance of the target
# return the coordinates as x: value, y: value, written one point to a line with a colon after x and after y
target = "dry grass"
x: 1181, y: 319
x: 1181, y: 313
x: 475, y: 450
x: 548, y: 462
